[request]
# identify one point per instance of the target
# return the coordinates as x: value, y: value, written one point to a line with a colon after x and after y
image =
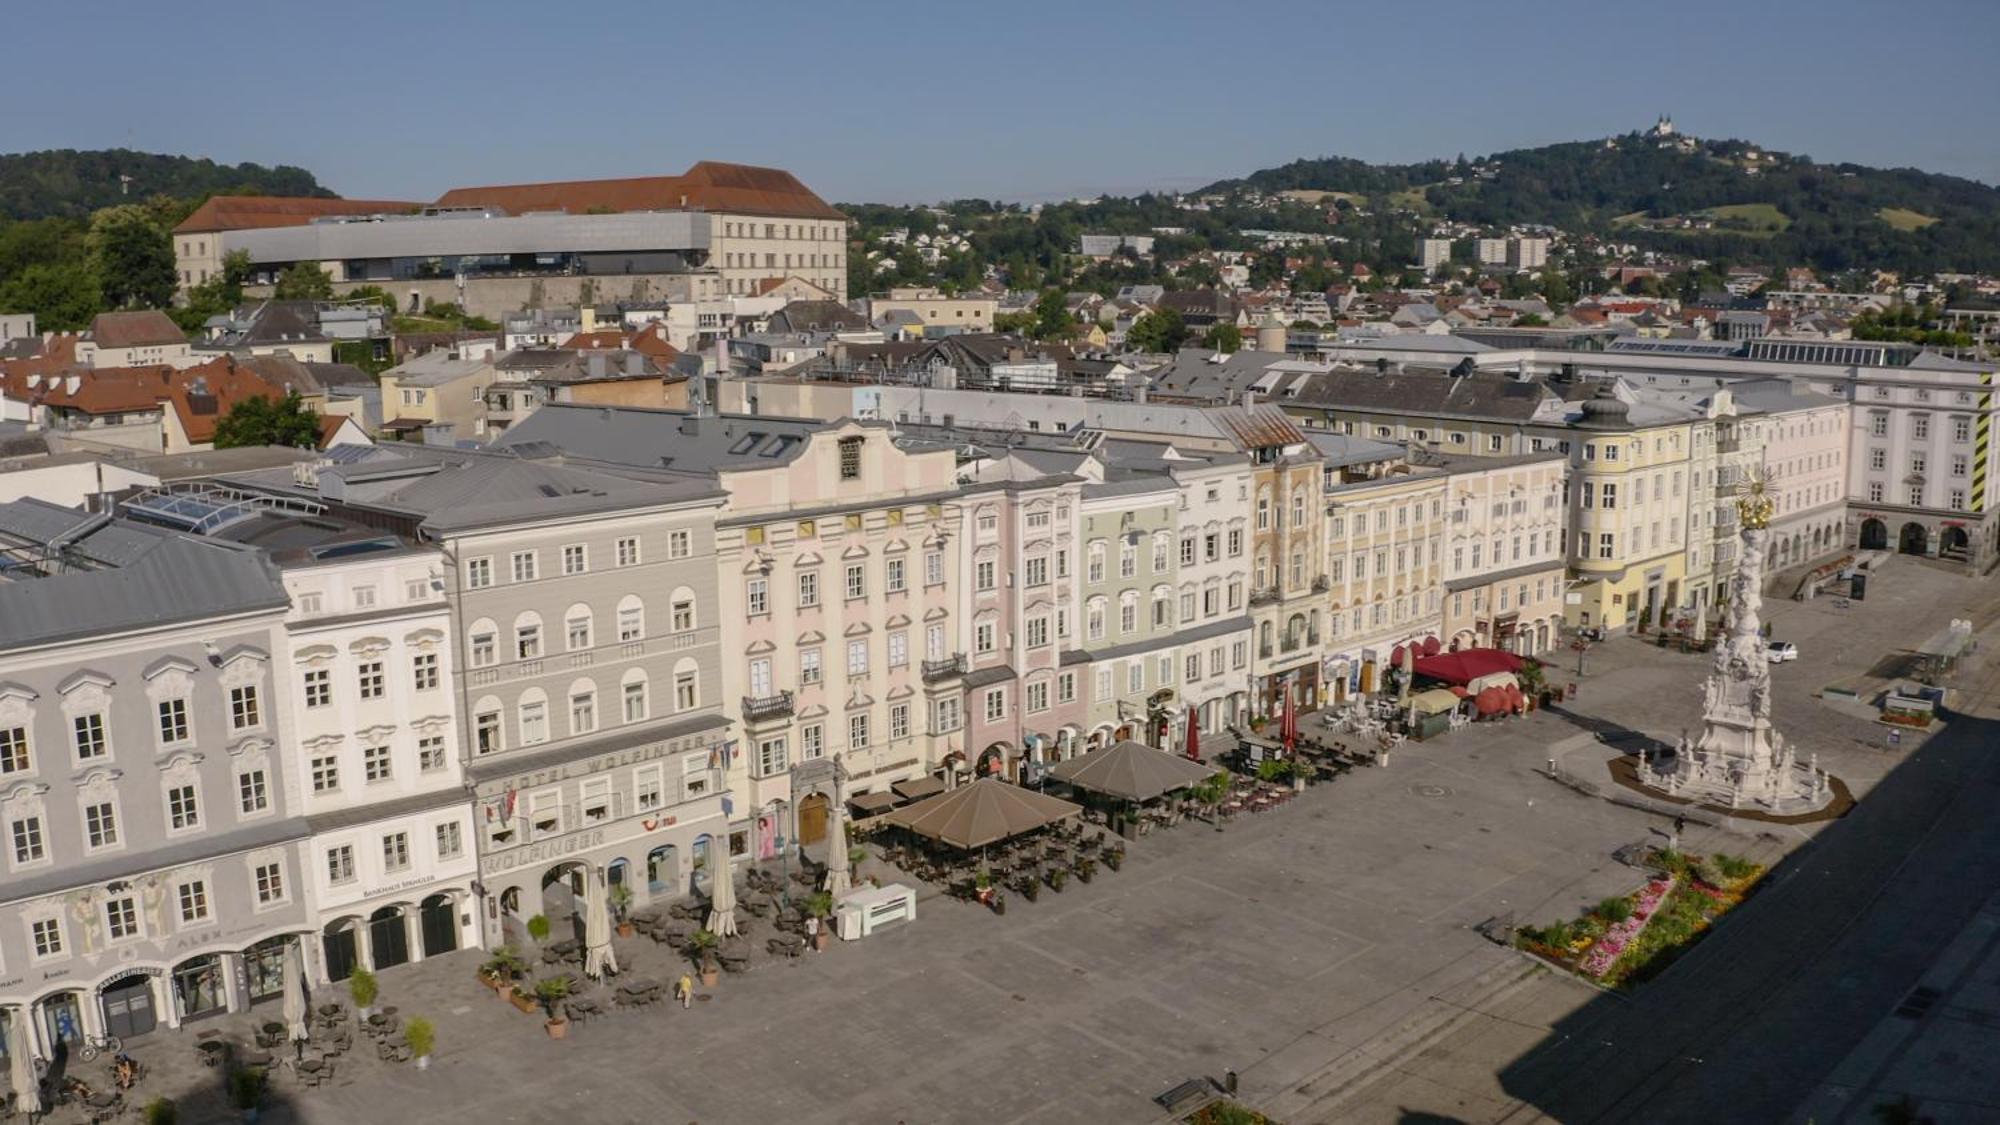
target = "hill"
x: 1715, y: 199
x: 68, y: 183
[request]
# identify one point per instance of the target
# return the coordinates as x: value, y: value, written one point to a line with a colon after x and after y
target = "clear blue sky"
x: 1018, y: 100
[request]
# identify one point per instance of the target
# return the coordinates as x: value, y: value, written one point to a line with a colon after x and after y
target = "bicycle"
x: 94, y: 1046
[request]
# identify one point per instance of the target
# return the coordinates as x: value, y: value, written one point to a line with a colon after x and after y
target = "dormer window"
x: 850, y: 458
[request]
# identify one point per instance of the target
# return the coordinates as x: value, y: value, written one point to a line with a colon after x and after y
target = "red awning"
x: 1467, y: 665
x: 1431, y: 646
x: 1396, y: 656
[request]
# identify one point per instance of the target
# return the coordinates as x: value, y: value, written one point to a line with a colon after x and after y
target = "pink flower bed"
x: 1604, y: 953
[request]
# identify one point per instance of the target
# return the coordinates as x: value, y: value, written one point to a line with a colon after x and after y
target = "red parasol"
x: 1491, y: 701
x: 1431, y: 646
x: 1193, y: 736
x: 1289, y: 726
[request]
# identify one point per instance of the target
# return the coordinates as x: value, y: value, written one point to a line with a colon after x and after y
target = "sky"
x: 1022, y: 100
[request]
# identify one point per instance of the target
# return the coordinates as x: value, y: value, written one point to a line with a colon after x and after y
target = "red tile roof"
x: 250, y: 212
x: 199, y: 395
x: 650, y: 341
x: 138, y: 329
x: 710, y: 186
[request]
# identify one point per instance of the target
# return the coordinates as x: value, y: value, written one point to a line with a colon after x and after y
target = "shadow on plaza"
x: 1754, y: 1017
x: 1618, y: 735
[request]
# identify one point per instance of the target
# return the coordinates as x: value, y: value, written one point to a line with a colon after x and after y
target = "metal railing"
x: 757, y: 707
x: 953, y: 665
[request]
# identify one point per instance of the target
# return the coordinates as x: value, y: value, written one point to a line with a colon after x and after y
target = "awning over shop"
x: 1435, y: 701
x: 1133, y: 771
x: 869, y: 804
x: 1467, y: 665
x: 1493, y: 679
x: 917, y: 789
x: 984, y: 812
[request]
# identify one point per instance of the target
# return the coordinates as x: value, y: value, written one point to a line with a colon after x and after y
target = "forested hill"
x: 71, y: 184
x: 1709, y: 198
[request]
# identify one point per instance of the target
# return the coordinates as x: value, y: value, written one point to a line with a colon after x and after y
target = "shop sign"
x: 545, y: 851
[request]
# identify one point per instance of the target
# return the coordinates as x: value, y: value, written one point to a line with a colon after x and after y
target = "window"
x: 1959, y: 464
x: 857, y: 731
x: 1604, y: 545
x: 771, y: 756
x: 1128, y: 615
x: 1878, y: 459
x: 173, y: 720
x: 486, y: 737
x: 1135, y: 677
x: 810, y: 671
x: 757, y: 595
x: 47, y: 933
x: 1875, y: 491
x: 524, y: 564
x: 182, y: 811
x: 424, y: 671
x: 1235, y: 542
x: 934, y: 568
x: 683, y: 616
x: 534, y: 722
x: 857, y: 657
x: 634, y: 701
x: 396, y: 851
x: 687, y: 691
x: 1038, y: 632
x: 631, y: 623
x: 628, y: 549
x: 1956, y: 499
x: 88, y: 731
x: 13, y: 749
x: 193, y: 896
x: 812, y: 741
x: 340, y: 864
x: 1066, y: 688
x: 983, y: 637
x: 1610, y: 497
x: 996, y: 704
x: 893, y: 577
x: 121, y: 917
x: 1917, y: 495
x: 325, y: 773
x: 899, y: 649
x: 899, y: 721
x: 808, y: 589
x: 850, y: 458
x: 1161, y: 546
x: 430, y: 753
x: 28, y: 844
x: 270, y: 882
x: 983, y: 575
x: 450, y: 840
x: 484, y: 649
x: 370, y: 679
x: 1961, y: 429
x: 1920, y: 426
x: 243, y: 710
x: 574, y: 559
x: 478, y: 573
x: 528, y: 640
x: 1128, y: 560
x: 857, y: 581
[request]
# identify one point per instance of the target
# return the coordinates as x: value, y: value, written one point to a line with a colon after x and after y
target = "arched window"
x: 582, y: 706
x: 528, y: 636
x: 685, y: 617
x: 634, y: 701
x: 531, y: 716
x: 631, y: 618
x: 482, y: 643
x: 687, y: 684
x: 577, y: 628
x: 1264, y: 509
x: 1093, y: 619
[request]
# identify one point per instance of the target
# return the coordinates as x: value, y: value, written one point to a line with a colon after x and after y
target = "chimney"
x: 1249, y: 399
x: 589, y: 321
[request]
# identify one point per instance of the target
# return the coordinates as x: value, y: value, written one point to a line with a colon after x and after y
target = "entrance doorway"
x: 388, y: 938
x: 198, y: 989
x: 264, y: 968
x: 62, y: 1019
x: 1874, y: 535
x: 812, y: 818
x: 1914, y: 540
x: 341, y: 950
x: 663, y: 870
x: 1954, y: 543
x: 128, y: 1007
x: 439, y: 916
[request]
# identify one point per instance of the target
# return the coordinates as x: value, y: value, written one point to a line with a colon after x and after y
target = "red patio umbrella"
x: 1491, y: 701
x: 1288, y: 728
x: 1431, y: 646
x: 1193, y: 736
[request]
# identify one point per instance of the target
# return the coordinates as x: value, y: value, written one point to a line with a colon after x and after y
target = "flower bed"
x: 1625, y: 940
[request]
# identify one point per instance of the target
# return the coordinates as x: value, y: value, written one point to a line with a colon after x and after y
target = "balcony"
x: 757, y: 708
x: 951, y: 666
x: 1728, y: 445
x: 1321, y: 585
x: 1265, y: 596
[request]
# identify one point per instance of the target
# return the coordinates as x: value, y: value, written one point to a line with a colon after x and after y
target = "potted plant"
x: 1258, y: 723
x: 820, y: 906
x: 502, y: 969
x: 982, y: 887
x: 362, y: 987
x: 1030, y: 888
x: 538, y: 928
x: 1057, y: 877
x: 162, y: 1111
x: 550, y: 991
x: 421, y: 1035
x: 998, y: 902
x: 620, y: 898
x: 702, y: 945
x: 1086, y: 869
x: 1115, y: 858
x: 521, y: 999
x: 246, y: 1091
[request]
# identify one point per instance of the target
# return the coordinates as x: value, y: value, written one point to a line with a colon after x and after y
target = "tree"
x: 62, y: 296
x: 1223, y: 337
x: 304, y: 281
x: 218, y: 295
x: 132, y: 256
x: 1161, y: 330
x: 260, y: 421
x: 1531, y: 320
x: 1052, y: 318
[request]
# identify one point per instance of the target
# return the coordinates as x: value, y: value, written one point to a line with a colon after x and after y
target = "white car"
x: 1782, y: 651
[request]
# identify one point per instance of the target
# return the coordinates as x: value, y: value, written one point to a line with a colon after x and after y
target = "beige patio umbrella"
x: 1132, y: 771
x: 722, y: 901
x: 598, y: 957
x: 296, y: 1012
x: 21, y: 1068
x: 980, y: 813
x: 1409, y: 673
x: 838, y: 880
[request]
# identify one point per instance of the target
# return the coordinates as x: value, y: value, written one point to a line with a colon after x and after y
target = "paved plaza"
x: 1323, y: 951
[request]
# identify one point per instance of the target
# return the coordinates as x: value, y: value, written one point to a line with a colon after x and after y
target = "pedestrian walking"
x: 812, y: 933
x: 684, y: 989
x: 1680, y: 825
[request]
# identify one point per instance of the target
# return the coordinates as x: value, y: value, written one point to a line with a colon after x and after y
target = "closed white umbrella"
x: 295, y: 992
x: 838, y: 881
x: 598, y: 957
x: 722, y: 901
x: 21, y: 1065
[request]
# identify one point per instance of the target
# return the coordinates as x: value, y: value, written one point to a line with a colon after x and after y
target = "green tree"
x: 1223, y: 337
x: 1161, y: 330
x: 260, y: 421
x: 218, y: 295
x: 304, y: 281
x: 133, y: 257
x: 1531, y: 320
x: 1052, y: 318
x: 63, y: 296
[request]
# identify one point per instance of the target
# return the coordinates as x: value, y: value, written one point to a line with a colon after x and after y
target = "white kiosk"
x: 868, y: 909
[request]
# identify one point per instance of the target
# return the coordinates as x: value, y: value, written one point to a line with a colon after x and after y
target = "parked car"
x: 1782, y: 651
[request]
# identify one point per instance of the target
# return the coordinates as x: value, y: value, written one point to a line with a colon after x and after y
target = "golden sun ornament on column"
x: 1753, y: 501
